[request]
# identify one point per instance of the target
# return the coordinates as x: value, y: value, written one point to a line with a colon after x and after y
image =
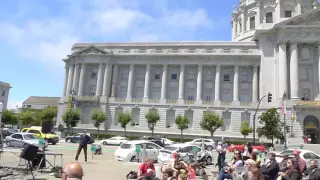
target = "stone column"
x: 319, y: 69
x: 164, y: 82
x: 99, y: 80
x: 181, y: 82
x: 243, y: 23
x: 299, y: 10
x: 130, y: 81
x: 75, y: 81
x: 258, y: 17
x: 234, y: 29
x: 147, y: 81
x: 255, y: 84
x: 294, y: 72
x: 66, y: 72
x: 70, y: 78
x: 283, y: 82
x: 236, y: 84
x: 82, y: 77
x: 106, y: 80
x: 217, y: 84
x: 199, y: 82
x: 114, y: 80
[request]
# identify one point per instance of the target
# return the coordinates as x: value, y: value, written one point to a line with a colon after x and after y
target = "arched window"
x: 3, y: 93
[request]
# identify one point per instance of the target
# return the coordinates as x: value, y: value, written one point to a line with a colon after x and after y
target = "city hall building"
x: 275, y: 48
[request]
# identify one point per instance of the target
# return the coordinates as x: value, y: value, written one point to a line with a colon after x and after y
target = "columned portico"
x: 282, y: 69
x: 181, y: 82
x: 66, y: 72
x: 199, y: 82
x: 70, y: 78
x: 294, y: 72
x: 164, y: 82
x: 236, y: 84
x: 147, y: 82
x: 217, y: 84
x: 82, y: 77
x: 130, y: 81
x: 99, y: 80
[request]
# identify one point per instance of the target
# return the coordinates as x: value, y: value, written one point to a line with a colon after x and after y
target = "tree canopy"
x: 211, y: 122
x: 182, y: 122
x: 48, y: 113
x: 71, y: 121
x: 245, y: 129
x: 98, y: 117
x: 152, y: 118
x: 26, y: 118
x: 124, y: 118
x: 9, y: 117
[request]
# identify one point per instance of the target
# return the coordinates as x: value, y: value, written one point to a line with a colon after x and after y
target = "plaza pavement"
x: 99, y: 167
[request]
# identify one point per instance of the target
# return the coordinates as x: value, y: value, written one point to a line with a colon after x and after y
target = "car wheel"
x: 209, y: 161
x: 133, y: 159
x: 104, y: 143
x: 53, y: 143
x: 69, y: 141
x: 209, y: 148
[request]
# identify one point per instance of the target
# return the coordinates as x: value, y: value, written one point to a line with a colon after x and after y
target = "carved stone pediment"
x: 91, y: 50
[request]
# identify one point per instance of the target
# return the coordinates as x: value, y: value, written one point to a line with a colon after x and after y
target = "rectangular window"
x: 304, y: 74
x: 157, y: 76
x: 174, y: 76
x: 252, y: 22
x: 269, y: 17
x: 288, y: 14
x: 226, y: 77
x: 190, y: 98
x: 93, y: 75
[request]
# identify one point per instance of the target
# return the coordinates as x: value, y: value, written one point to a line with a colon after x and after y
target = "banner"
x: 284, y: 108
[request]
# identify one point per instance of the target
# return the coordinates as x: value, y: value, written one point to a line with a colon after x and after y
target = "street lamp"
x: 1, y: 108
x: 72, y: 103
x: 284, y: 111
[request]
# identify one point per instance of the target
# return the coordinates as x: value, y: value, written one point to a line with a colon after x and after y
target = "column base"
x: 236, y: 103
x: 128, y: 100
x: 180, y: 101
x: 104, y: 99
x: 199, y: 102
x: 217, y: 102
x: 163, y: 101
x: 145, y: 100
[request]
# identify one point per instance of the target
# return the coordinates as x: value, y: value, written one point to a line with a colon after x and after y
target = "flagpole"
x: 284, y: 120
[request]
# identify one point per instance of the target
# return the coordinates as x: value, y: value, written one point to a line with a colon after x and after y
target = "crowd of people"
x: 251, y: 168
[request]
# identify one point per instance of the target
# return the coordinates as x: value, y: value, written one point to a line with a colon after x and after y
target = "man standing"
x: 84, y: 141
x: 301, y: 164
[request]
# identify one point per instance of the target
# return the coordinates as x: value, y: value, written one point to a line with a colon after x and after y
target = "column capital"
x: 200, y: 66
x: 218, y: 65
x: 165, y: 66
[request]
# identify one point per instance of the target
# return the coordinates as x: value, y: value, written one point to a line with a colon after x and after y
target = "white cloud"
x: 49, y: 39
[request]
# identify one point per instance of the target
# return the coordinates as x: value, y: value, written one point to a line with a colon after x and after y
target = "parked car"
x: 127, y: 150
x: 304, y: 154
x: 240, y: 148
x: 209, y: 143
x: 117, y: 140
x: 166, y: 154
x: 37, y: 131
x: 76, y: 138
x: 22, y: 139
x: 167, y: 141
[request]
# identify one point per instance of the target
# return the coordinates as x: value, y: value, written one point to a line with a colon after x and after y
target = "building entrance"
x: 311, y: 129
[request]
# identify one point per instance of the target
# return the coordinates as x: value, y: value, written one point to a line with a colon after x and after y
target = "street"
x: 98, y: 166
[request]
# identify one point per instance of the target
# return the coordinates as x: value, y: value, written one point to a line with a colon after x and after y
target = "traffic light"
x: 269, y: 97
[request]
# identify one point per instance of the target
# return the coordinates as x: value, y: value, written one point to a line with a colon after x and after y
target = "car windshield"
x: 125, y: 146
x: 28, y: 137
x: 289, y: 152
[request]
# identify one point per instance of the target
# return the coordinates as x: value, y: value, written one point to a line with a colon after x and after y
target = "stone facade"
x: 270, y: 53
x: 4, y: 93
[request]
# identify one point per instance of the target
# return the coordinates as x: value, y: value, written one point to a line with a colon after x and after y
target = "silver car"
x: 22, y: 139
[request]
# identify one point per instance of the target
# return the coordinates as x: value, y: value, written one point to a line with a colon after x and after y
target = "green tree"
x: 271, y: 125
x: 124, y: 118
x: 9, y: 117
x: 71, y: 121
x: 98, y: 117
x: 26, y: 118
x: 152, y: 118
x: 48, y: 113
x: 245, y: 129
x: 211, y: 122
x: 182, y: 123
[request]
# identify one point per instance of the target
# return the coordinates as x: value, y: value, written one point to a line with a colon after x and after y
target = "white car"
x: 209, y: 143
x: 22, y: 139
x: 165, y: 154
x: 117, y: 140
x: 304, y: 154
x: 127, y: 150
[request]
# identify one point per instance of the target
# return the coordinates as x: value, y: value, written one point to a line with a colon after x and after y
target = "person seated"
x: 292, y: 173
x: 72, y: 171
x: 310, y: 170
x: 271, y: 169
x: 182, y: 175
x: 283, y: 163
x: 225, y: 173
x: 144, y: 167
x: 168, y: 174
x: 255, y: 156
x: 253, y: 172
x: 176, y: 165
x: 315, y: 175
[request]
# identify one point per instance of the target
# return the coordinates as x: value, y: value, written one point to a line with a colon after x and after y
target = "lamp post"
x: 254, y: 120
x: 1, y: 108
x: 284, y: 111
x: 72, y: 103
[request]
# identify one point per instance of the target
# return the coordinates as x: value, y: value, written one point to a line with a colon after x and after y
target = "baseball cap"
x: 296, y: 152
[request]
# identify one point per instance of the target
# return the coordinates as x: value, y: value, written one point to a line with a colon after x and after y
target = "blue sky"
x: 35, y: 34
